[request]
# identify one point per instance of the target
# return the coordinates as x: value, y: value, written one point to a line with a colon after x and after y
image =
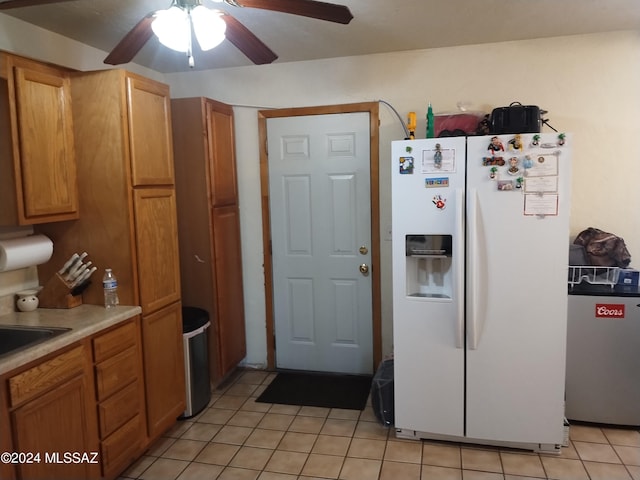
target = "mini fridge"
x: 603, y: 355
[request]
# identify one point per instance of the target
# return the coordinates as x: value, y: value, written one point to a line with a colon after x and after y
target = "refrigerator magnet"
x: 487, y: 161
x: 439, y: 201
x: 514, y: 169
x: 438, y: 182
x: 527, y: 162
x: 505, y: 185
x: 495, y: 146
x: 561, y: 139
x: 535, y: 141
x: 437, y: 157
x: 406, y: 165
x: 516, y: 142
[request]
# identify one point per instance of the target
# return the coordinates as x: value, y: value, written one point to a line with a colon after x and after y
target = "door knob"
x: 364, y: 269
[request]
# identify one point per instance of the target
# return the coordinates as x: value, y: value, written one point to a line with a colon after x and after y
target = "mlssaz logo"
x: 609, y: 310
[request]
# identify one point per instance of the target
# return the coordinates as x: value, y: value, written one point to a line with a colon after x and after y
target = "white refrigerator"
x: 480, y: 229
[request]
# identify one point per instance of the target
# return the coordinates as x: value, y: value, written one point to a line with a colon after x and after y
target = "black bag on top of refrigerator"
x: 516, y: 118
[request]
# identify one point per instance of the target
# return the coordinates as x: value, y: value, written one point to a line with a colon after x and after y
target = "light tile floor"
x: 236, y: 438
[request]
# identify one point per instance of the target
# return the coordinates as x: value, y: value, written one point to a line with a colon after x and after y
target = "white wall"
x: 589, y: 85
x: 25, y: 39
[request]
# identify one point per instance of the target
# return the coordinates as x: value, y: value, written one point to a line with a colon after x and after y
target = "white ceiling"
x: 378, y: 26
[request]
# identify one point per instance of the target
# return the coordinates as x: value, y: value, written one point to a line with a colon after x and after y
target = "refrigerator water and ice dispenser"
x: 429, y: 266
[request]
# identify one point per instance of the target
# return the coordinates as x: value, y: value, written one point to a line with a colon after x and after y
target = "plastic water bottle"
x: 110, y: 287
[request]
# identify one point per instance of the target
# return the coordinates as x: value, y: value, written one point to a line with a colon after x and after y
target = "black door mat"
x: 318, y: 390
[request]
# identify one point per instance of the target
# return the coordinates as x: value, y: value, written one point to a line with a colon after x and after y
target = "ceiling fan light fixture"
x: 172, y: 28
x: 208, y: 26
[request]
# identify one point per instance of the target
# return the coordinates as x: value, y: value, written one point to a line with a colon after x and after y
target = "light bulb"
x: 172, y: 28
x: 208, y: 26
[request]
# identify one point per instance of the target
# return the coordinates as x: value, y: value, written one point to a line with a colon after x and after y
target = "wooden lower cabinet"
x: 120, y: 396
x: 95, y: 398
x: 106, y: 399
x: 163, y: 368
x: 55, y: 416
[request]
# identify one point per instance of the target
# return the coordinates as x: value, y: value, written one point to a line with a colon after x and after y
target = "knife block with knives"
x: 64, y: 289
x: 56, y: 293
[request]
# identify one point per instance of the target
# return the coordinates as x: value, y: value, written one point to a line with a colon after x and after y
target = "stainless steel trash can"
x: 195, y: 322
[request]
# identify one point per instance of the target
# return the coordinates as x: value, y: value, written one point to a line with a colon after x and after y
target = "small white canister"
x: 27, y: 300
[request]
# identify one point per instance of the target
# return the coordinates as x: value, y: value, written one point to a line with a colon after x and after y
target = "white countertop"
x: 84, y: 321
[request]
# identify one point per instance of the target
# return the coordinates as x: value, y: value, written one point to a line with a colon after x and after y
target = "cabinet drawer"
x: 115, y: 373
x: 115, y: 341
x: 43, y: 377
x: 117, y: 409
x: 122, y: 447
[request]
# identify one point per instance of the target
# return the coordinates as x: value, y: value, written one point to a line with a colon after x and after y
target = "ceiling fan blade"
x: 132, y: 42
x: 306, y: 8
x: 26, y: 3
x: 247, y: 42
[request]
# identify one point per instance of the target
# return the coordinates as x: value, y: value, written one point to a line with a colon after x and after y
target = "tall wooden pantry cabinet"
x: 122, y: 126
x: 209, y: 224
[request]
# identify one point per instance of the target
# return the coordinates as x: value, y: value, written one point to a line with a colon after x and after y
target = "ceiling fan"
x: 230, y: 28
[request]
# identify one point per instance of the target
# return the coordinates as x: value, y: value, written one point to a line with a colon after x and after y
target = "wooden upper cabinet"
x: 222, y: 154
x: 149, y: 111
x: 157, y: 247
x: 40, y: 128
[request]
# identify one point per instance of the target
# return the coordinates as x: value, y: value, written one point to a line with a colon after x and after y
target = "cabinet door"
x: 222, y: 156
x: 229, y: 297
x: 163, y: 368
x: 44, y: 155
x: 157, y: 247
x: 54, y: 423
x: 150, y: 139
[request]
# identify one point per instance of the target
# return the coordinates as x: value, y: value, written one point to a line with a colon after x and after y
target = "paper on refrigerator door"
x: 542, y: 205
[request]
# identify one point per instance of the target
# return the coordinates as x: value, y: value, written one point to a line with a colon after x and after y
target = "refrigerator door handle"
x: 475, y: 321
x: 459, y: 273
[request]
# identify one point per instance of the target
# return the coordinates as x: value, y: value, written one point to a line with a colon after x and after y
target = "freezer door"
x: 516, y: 289
x: 428, y: 261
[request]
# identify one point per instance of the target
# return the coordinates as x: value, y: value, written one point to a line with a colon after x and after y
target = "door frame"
x: 374, y: 165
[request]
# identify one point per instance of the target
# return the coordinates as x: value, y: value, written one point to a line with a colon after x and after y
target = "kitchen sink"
x: 17, y: 337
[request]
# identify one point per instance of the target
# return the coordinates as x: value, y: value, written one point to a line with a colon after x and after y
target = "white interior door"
x: 320, y: 213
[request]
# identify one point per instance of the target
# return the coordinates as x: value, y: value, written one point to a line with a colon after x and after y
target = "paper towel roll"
x: 24, y: 252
